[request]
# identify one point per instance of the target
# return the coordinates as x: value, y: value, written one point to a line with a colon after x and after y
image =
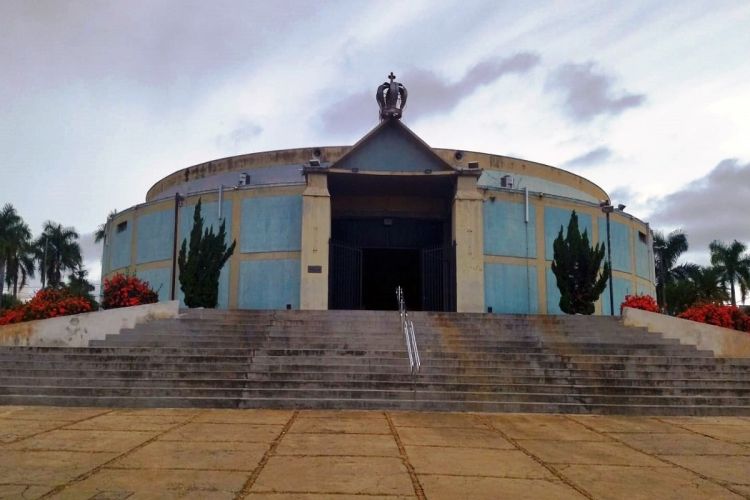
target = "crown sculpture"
x: 391, y: 97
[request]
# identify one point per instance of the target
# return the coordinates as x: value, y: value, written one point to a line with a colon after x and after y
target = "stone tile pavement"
x: 283, y: 455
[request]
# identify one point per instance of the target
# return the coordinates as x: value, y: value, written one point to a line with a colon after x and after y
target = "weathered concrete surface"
x: 724, y: 342
x: 78, y: 330
x: 316, y: 455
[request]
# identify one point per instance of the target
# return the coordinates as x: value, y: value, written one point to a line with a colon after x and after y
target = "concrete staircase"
x: 357, y: 359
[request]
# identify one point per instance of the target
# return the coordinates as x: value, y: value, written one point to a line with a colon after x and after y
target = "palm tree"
x: 12, y: 231
x: 101, y: 232
x: 57, y: 250
x: 667, y: 249
x: 20, y: 261
x: 734, y: 265
x: 694, y: 284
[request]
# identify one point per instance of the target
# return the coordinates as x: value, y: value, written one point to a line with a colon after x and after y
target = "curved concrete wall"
x: 265, y: 222
x: 518, y: 254
x: 266, y: 219
x: 284, y: 168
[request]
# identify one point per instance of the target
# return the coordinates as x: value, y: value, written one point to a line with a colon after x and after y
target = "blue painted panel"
x: 620, y: 235
x: 506, y: 233
x: 510, y: 289
x: 160, y: 280
x: 556, y: 217
x: 223, y: 289
x: 119, y: 255
x: 154, y: 236
x: 392, y: 149
x: 271, y: 224
x: 553, y: 293
x: 269, y: 284
x: 644, y: 261
x: 210, y: 214
x: 622, y: 287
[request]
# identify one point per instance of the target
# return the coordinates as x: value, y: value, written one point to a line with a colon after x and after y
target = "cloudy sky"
x: 651, y: 100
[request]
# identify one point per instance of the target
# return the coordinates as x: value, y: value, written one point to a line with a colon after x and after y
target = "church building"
x: 342, y: 227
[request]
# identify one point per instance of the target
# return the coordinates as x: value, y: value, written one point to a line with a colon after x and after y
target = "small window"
x: 642, y: 237
x: 122, y: 226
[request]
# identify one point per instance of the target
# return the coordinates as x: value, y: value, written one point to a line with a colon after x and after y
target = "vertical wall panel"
x: 622, y: 287
x: 510, y: 289
x: 269, y: 284
x: 210, y: 214
x: 620, y: 235
x: 553, y: 293
x: 119, y: 252
x: 506, y: 232
x: 271, y: 224
x: 644, y: 263
x: 154, y: 236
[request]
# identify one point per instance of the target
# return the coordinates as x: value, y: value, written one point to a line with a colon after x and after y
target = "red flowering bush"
x: 718, y: 315
x: 126, y: 291
x: 47, y: 303
x: 644, y: 302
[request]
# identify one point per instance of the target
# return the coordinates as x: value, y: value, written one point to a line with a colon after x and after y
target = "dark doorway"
x: 383, y: 269
x: 370, y: 257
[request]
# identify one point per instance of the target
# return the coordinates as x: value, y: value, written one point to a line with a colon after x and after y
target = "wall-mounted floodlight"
x: 620, y: 207
x: 314, y: 162
x: 473, y: 164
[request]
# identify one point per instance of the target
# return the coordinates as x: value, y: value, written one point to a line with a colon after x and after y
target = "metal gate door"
x: 345, y: 279
x: 439, y: 278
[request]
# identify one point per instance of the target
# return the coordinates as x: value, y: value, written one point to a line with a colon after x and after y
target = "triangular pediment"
x: 392, y: 147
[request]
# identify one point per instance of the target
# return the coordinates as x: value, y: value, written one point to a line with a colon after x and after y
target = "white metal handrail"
x: 407, y: 326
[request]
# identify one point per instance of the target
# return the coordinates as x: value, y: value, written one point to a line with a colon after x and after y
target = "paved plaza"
x: 282, y: 455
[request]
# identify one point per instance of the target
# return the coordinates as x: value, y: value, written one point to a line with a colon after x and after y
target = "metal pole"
x: 611, y: 284
x: 174, y: 246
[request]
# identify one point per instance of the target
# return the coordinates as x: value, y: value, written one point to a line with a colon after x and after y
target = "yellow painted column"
x: 234, y: 261
x: 316, y: 233
x: 468, y: 233
x: 541, y: 260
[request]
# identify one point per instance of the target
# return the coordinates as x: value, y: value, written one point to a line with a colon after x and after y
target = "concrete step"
x: 353, y: 359
x: 370, y: 404
x: 406, y: 395
x: 404, y: 383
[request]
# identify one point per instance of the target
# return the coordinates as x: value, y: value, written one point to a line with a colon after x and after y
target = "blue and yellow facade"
x: 392, y: 201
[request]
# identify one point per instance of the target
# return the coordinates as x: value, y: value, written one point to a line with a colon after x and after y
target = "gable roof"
x: 392, y: 147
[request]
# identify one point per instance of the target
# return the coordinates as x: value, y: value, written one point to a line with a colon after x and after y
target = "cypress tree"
x: 200, y: 264
x: 577, y: 266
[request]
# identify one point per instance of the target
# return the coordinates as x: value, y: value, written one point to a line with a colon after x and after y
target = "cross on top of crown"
x: 391, y: 77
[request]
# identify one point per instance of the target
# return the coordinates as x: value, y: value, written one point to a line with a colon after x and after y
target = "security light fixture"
x: 314, y: 163
x: 620, y: 207
x: 473, y: 164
